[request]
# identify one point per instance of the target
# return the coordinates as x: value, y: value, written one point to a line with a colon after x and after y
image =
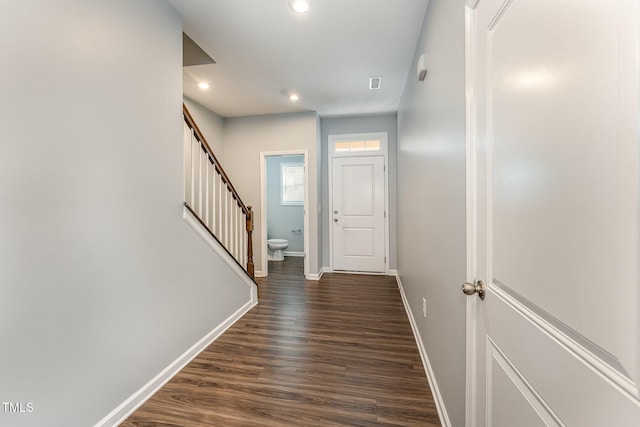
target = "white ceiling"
x: 327, y: 55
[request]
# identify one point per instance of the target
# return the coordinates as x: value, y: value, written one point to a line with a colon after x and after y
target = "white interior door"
x: 358, y: 214
x: 554, y: 196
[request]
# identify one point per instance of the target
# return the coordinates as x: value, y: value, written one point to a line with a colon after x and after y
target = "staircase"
x: 210, y: 197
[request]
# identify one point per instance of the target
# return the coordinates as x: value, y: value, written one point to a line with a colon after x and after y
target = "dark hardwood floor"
x: 334, y: 352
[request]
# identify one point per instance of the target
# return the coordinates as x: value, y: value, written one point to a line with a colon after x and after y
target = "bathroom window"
x: 292, y: 183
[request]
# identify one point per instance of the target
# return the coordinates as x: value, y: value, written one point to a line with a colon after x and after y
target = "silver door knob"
x: 335, y: 219
x: 335, y: 212
x: 472, y: 288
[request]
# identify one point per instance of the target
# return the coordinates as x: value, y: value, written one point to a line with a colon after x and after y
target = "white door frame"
x: 384, y: 151
x: 471, y: 401
x: 263, y: 205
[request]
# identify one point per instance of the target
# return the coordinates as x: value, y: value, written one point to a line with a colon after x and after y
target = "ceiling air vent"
x: 375, y: 82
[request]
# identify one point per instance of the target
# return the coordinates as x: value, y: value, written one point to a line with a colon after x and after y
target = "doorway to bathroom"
x: 284, y: 199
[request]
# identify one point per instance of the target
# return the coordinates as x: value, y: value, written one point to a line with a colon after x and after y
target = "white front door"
x: 553, y: 230
x: 358, y: 214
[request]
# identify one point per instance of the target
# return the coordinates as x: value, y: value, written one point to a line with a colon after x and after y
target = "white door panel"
x: 358, y: 242
x: 358, y: 186
x: 560, y: 191
x: 509, y: 398
x: 556, y: 221
x: 358, y: 213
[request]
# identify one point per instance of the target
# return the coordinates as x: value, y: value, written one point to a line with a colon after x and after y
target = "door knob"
x: 335, y: 219
x: 335, y: 212
x: 472, y: 288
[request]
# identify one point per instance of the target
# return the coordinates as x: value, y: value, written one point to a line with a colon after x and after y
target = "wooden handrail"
x: 200, y: 137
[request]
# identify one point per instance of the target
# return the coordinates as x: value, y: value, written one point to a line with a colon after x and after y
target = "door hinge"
x: 385, y: 260
x: 385, y: 214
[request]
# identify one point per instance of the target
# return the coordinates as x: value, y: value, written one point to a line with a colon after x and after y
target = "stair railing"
x: 210, y: 196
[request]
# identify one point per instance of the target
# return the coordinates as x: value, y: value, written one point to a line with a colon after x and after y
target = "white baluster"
x: 205, y: 190
x: 243, y: 231
x: 187, y: 164
x: 230, y: 243
x: 220, y: 208
x: 238, y: 236
x: 195, y: 173
x: 234, y: 244
x: 227, y: 217
x: 211, y: 213
x: 204, y: 161
x: 214, y: 212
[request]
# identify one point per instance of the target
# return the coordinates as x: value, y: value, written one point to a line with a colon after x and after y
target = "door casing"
x: 263, y: 206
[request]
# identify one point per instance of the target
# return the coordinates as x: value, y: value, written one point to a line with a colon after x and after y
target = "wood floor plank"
x: 334, y: 352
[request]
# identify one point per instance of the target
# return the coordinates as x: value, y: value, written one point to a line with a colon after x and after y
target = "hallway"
x: 338, y: 352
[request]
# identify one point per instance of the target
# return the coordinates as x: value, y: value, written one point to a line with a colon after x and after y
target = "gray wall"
x: 431, y: 198
x: 210, y: 124
x: 283, y: 219
x: 245, y: 138
x: 103, y: 284
x: 359, y: 124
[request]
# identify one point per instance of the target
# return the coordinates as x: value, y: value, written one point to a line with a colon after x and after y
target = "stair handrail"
x: 247, y: 210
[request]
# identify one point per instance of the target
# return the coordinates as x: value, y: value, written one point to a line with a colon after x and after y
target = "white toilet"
x: 276, y: 248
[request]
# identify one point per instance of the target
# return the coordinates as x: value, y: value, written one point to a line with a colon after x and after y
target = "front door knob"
x: 335, y: 219
x: 472, y: 288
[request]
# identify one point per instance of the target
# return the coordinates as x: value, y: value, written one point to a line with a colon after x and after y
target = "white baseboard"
x: 259, y: 274
x: 318, y: 276
x: 298, y: 254
x: 437, y: 396
x: 393, y: 273
x: 126, y: 408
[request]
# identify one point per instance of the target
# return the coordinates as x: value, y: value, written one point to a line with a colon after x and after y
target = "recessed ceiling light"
x: 300, y: 6
x: 203, y: 85
x: 293, y: 97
